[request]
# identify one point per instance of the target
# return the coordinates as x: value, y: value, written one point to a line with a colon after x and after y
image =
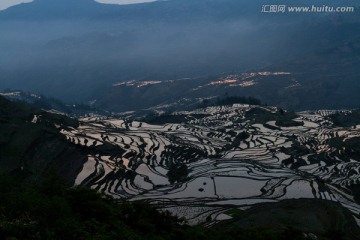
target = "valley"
x: 203, y: 161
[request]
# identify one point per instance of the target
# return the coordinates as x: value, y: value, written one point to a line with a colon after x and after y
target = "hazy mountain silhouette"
x: 53, y: 9
x: 77, y: 49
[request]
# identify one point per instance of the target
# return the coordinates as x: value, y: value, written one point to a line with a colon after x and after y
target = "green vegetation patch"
x: 346, y: 119
x: 281, y: 117
x: 237, y: 140
x: 178, y: 173
x: 234, y: 212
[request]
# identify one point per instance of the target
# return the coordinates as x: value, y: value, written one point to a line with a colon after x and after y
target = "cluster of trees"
x: 177, y: 173
x: 346, y: 119
x: 282, y: 118
x: 237, y: 140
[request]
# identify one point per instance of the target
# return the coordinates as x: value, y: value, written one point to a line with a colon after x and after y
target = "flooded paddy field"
x: 219, y: 157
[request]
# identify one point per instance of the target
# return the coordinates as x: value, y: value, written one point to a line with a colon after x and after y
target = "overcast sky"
x: 7, y: 3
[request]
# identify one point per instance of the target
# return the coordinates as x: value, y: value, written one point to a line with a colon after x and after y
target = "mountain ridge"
x: 81, y: 55
x: 45, y: 9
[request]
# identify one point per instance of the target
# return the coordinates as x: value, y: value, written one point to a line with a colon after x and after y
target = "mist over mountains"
x: 77, y: 50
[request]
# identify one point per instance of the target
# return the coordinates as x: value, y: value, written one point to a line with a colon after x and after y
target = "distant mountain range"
x: 324, y: 80
x: 78, y: 50
x: 178, y: 10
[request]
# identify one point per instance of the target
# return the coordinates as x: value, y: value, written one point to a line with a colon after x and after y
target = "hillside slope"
x: 31, y: 143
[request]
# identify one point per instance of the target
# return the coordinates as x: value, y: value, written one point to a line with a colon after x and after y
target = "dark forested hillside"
x: 50, y: 210
x: 31, y: 143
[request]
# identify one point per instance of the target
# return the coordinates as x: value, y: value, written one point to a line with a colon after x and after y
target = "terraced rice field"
x: 131, y: 159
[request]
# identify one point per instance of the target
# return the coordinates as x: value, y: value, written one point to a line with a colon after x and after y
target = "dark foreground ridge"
x: 320, y: 217
x: 50, y: 210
